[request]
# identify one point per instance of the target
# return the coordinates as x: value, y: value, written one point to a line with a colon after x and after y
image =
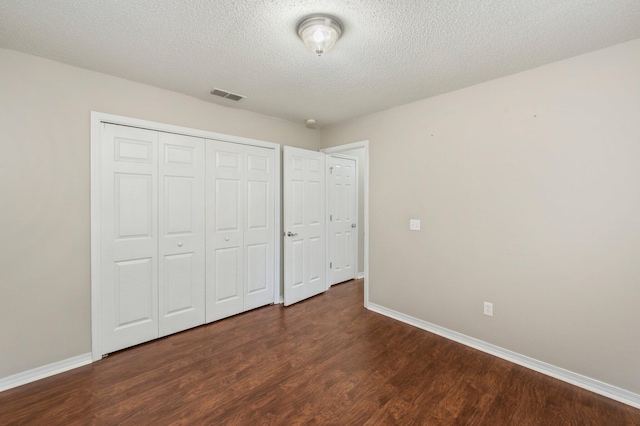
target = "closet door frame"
x: 98, y: 120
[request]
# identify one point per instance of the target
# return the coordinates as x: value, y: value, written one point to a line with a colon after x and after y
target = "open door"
x: 343, y: 218
x: 304, y: 224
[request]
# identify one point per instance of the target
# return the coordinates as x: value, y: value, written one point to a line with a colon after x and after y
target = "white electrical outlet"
x: 488, y: 309
x: 414, y: 224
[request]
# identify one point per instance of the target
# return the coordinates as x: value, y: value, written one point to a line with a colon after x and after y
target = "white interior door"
x: 343, y: 214
x: 304, y: 224
x: 181, y: 232
x: 225, y: 221
x: 129, y: 235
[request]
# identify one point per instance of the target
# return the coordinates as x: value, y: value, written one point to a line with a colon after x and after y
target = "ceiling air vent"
x: 227, y: 95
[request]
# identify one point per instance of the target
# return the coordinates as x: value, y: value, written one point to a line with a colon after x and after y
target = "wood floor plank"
x: 326, y: 360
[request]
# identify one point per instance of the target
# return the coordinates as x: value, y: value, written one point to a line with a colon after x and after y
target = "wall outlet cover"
x: 488, y: 309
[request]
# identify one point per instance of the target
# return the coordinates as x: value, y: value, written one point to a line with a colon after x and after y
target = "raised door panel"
x: 180, y: 288
x: 258, y: 214
x: 228, y: 284
x: 225, y: 223
x: 133, y: 210
x: 182, y: 233
x: 259, y: 229
x: 129, y: 264
x: 227, y: 205
x: 257, y: 270
x: 133, y: 291
x: 297, y: 266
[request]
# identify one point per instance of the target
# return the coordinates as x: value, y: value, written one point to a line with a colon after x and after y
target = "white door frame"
x: 355, y: 145
x: 327, y: 199
x: 97, y: 118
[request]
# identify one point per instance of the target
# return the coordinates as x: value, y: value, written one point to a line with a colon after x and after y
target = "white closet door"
x: 343, y: 213
x: 225, y: 222
x: 304, y: 224
x: 182, y: 232
x: 259, y: 232
x: 129, y: 264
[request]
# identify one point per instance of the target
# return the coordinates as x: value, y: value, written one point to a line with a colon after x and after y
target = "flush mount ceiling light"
x: 319, y: 33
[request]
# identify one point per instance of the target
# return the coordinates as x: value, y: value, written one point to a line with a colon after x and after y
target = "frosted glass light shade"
x: 319, y: 33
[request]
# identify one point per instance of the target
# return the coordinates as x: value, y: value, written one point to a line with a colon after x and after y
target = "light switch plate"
x: 414, y: 224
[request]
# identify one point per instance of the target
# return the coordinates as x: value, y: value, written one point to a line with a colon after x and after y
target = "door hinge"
x: 331, y: 170
x: 330, y: 218
x: 330, y: 265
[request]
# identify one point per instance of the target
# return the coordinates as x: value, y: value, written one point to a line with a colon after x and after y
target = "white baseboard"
x: 576, y: 379
x: 360, y: 276
x: 44, y: 371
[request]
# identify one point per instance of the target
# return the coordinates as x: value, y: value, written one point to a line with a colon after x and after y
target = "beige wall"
x: 527, y: 187
x: 528, y: 191
x: 45, y: 111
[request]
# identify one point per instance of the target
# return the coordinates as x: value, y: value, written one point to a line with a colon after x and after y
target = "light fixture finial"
x: 319, y: 33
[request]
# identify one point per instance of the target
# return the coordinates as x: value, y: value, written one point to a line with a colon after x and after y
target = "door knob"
x: 291, y: 234
x: 180, y: 244
x: 226, y: 238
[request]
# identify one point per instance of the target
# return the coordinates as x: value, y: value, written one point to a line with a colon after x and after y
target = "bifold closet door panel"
x: 181, y: 216
x: 225, y: 222
x: 240, y: 228
x: 129, y: 264
x: 259, y: 211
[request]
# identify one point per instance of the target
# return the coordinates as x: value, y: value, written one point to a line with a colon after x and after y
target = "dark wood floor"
x: 323, y: 361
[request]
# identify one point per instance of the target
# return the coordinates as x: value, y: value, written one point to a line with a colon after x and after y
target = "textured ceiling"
x: 391, y: 52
